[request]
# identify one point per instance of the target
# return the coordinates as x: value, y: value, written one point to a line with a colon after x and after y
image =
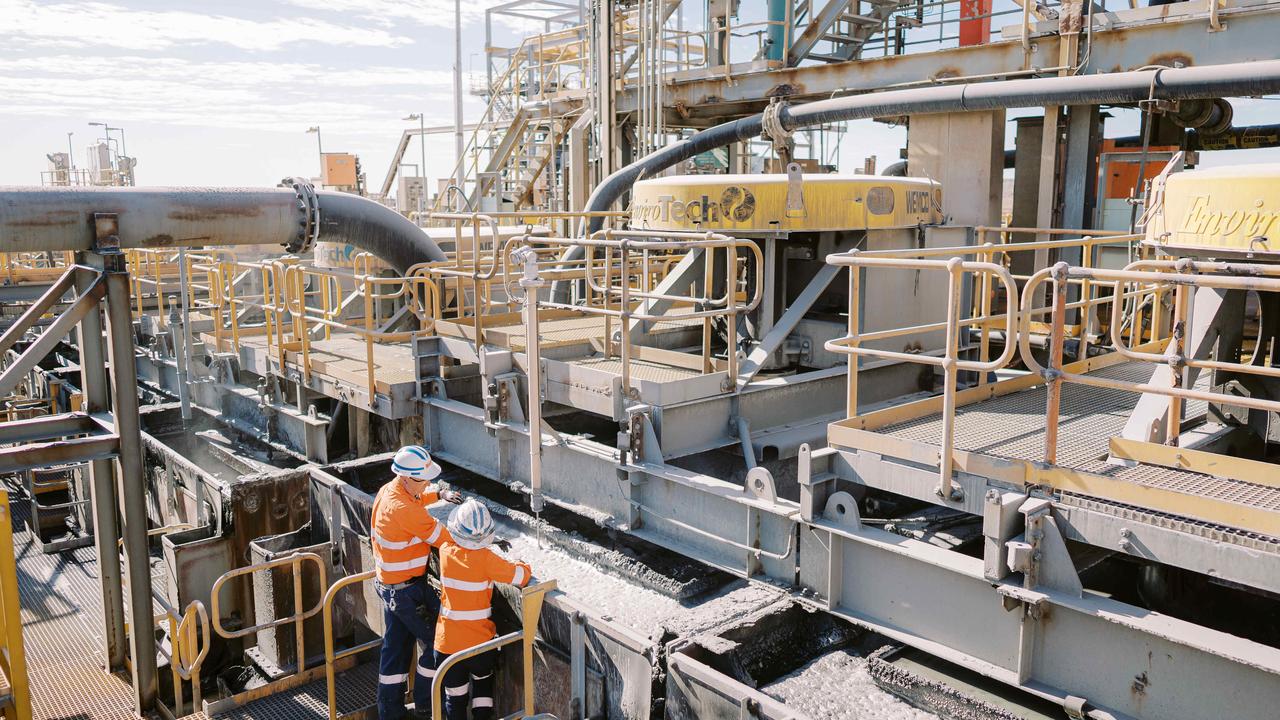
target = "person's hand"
x: 451, y: 496
x: 503, y: 545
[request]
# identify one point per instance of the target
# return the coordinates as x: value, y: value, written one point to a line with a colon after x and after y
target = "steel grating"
x: 575, y: 330
x: 1013, y: 426
x: 61, y: 627
x: 355, y: 691
x: 640, y: 369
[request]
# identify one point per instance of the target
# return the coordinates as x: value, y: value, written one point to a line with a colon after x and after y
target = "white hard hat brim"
x: 430, y: 472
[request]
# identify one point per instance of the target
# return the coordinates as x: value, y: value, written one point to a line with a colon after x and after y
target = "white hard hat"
x: 413, y: 461
x: 471, y: 525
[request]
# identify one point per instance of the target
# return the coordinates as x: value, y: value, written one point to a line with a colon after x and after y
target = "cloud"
x: 431, y: 13
x: 88, y: 24
x: 224, y: 94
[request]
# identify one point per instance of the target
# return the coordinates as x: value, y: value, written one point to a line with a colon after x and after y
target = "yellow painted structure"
x: 760, y: 203
x: 1225, y: 212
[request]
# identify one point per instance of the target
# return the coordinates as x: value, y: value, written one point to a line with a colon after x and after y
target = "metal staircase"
x: 845, y: 27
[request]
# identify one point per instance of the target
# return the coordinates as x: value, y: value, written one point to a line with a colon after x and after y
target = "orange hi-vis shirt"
x: 404, y: 532
x: 466, y: 601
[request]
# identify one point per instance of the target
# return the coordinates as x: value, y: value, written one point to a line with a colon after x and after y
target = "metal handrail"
x: 531, y: 598
x: 1187, y: 274
x: 950, y: 361
x: 437, y: 683
x: 1099, y: 286
x: 184, y: 662
x: 299, y: 615
x: 331, y: 657
x: 13, y: 659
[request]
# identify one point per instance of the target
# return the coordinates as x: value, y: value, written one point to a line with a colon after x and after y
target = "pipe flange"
x: 773, y: 130
x: 309, y: 204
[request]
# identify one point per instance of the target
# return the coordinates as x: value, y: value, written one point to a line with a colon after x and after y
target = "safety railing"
x: 300, y: 614
x: 479, y: 262
x: 1183, y: 277
x: 160, y: 278
x: 331, y: 657
x: 1143, y: 316
x: 299, y: 304
x: 950, y: 360
x: 1029, y: 314
x: 531, y: 599
x: 25, y: 268
x: 620, y: 272
x: 189, y: 646
x: 13, y: 659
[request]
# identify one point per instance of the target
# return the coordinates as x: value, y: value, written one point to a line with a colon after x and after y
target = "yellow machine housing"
x: 1227, y: 212
x: 797, y: 221
x: 745, y: 203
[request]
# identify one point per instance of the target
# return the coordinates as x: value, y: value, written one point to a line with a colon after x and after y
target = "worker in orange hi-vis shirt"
x: 468, y: 570
x: 403, y: 533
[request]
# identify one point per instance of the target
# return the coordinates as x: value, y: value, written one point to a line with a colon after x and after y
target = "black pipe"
x: 898, y: 169
x: 1238, y: 79
x: 375, y: 228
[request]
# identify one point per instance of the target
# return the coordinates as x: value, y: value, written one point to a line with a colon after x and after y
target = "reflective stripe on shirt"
x: 466, y: 614
x: 455, y: 584
x: 413, y: 564
x: 395, y: 545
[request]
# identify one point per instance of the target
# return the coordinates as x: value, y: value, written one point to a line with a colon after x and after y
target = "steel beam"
x: 700, y: 97
x: 106, y: 531
x: 48, y: 427
x: 28, y: 319
x: 779, y: 333
x: 52, y: 335
x: 813, y: 32
x: 1121, y: 660
x: 124, y: 377
x: 58, y: 452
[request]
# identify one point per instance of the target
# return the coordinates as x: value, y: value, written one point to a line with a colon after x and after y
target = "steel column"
x: 106, y: 532
x: 124, y: 376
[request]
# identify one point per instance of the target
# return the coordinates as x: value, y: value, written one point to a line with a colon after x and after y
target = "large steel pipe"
x: 37, y: 218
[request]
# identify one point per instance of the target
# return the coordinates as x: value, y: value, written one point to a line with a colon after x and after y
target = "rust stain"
x: 947, y: 71
x: 1171, y: 59
x: 781, y: 90
x: 53, y: 218
x: 205, y: 215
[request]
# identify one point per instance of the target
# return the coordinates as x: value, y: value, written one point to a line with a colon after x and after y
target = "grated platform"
x: 62, y: 636
x: 1013, y: 426
x: 61, y: 628
x: 355, y: 691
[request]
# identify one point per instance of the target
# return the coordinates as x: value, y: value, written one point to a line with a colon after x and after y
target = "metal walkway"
x: 61, y: 623
x: 61, y: 628
x: 1013, y: 426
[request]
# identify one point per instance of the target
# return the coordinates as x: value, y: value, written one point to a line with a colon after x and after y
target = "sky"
x: 222, y: 93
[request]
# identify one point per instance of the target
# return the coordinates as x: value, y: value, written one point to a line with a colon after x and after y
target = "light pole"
x: 71, y: 154
x: 422, y: 141
x: 319, y: 148
x: 457, y: 92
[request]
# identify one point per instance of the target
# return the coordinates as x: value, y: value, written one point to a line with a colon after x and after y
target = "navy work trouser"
x: 408, y: 614
x: 472, y: 678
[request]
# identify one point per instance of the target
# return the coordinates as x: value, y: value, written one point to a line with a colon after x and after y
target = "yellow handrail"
x: 13, y: 659
x: 188, y: 652
x: 531, y: 599
x: 299, y: 615
x: 331, y: 657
